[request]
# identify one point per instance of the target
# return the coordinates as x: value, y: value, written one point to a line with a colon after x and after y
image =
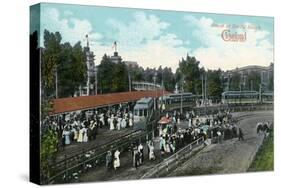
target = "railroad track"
x: 92, y: 155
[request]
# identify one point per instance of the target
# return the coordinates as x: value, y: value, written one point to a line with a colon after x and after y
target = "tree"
x: 105, y: 75
x: 120, y: 82
x: 214, y: 83
x: 169, y: 79
x: 190, y: 72
x: 113, y: 77
x: 48, y: 150
x: 64, y: 61
x: 234, y: 83
x: 136, y: 73
x: 253, y: 81
x: 50, y: 60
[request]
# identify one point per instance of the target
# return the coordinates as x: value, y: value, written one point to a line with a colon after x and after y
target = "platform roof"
x: 71, y: 104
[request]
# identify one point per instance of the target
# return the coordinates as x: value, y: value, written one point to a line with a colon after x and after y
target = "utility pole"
x: 96, y: 81
x: 182, y: 91
x: 129, y: 77
x: 206, y: 78
x: 260, y: 93
x: 202, y: 77
x: 162, y: 102
x: 154, y: 78
x: 228, y: 81
x: 56, y: 72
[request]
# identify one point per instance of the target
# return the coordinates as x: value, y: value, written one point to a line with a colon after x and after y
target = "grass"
x: 264, y: 160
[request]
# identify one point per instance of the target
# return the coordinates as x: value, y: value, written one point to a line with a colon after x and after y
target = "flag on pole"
x: 114, y: 46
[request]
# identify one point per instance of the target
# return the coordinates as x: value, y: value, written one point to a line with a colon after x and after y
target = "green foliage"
x: 234, y: 84
x: 48, y: 150
x: 50, y: 59
x: 72, y: 71
x: 113, y: 77
x: 169, y: 80
x: 264, y: 160
x: 214, y: 83
x: 190, y: 72
x: 253, y: 81
x: 68, y: 61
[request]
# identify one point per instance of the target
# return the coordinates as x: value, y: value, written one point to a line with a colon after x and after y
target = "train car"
x: 268, y: 97
x: 187, y: 99
x: 240, y: 97
x: 143, y: 108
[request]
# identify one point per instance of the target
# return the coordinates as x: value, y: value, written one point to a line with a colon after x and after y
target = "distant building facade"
x: 266, y: 74
x: 132, y: 64
x: 116, y: 58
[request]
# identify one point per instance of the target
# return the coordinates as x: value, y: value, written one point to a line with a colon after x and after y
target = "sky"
x: 156, y: 38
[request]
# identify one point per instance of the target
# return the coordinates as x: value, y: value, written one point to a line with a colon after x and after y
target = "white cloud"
x: 216, y: 53
x: 144, y: 40
x: 71, y: 29
x: 142, y: 28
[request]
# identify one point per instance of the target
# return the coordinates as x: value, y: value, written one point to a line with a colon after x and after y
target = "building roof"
x: 143, y: 103
x: 63, y: 105
x: 250, y: 68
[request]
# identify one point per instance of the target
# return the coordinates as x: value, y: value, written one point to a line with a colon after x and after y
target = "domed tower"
x: 91, y: 72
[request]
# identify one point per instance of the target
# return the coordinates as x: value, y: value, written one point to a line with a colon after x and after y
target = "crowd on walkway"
x: 79, y: 127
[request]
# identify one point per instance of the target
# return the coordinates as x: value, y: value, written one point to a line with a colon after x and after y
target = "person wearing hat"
x: 108, y: 160
x: 116, y: 163
x: 240, y: 134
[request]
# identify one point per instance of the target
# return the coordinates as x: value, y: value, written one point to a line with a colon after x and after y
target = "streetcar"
x: 143, y: 109
x: 240, y: 97
x: 186, y: 99
x: 267, y: 97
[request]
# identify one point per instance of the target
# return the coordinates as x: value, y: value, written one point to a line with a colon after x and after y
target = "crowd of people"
x: 82, y: 127
x: 216, y: 127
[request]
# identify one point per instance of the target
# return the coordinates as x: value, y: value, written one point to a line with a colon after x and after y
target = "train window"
x: 145, y: 112
x: 140, y: 112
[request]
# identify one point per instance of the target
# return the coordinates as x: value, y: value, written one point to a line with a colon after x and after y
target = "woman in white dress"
x: 112, y: 123
x: 85, y: 135
x: 119, y: 123
x: 75, y: 134
x: 123, y: 123
x: 80, y: 135
x: 116, y: 159
x: 131, y: 122
x: 151, y: 152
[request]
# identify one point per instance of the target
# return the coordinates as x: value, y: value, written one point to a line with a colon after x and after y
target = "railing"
x: 173, y: 161
x: 94, y: 156
x: 95, y: 149
x: 232, y: 108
